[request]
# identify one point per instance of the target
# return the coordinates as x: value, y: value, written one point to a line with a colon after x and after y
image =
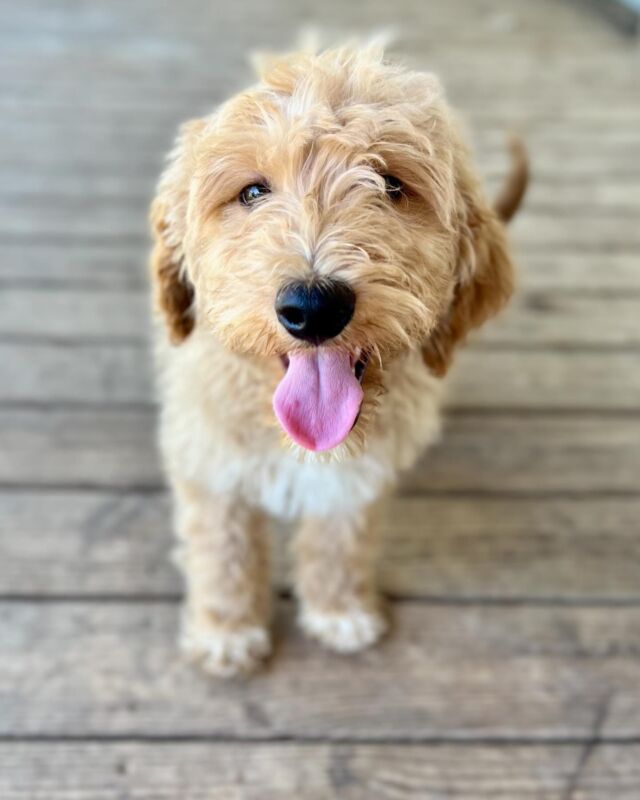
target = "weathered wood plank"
x: 532, y: 453
x: 120, y: 202
x: 479, y: 102
x: 54, y: 209
x: 121, y: 266
x: 501, y: 111
x: 502, y: 96
x: 65, y: 18
x: 533, y: 318
x: 565, y: 318
x: 545, y: 234
x: 458, y: 671
x: 80, y: 446
x: 120, y: 373
x: 562, y: 137
x: 537, y: 380
x: 501, y: 548
x: 263, y: 771
x: 113, y: 69
x: 120, y: 148
x: 178, y: 35
x: 549, y: 229
x: 118, y: 266
x: 570, y: 198
x: 446, y: 671
x: 501, y: 453
x: 617, y: 165
x: 75, y: 315
x: 595, y: 272
x: 114, y: 544
x: 103, y: 373
x: 187, y: 67
x: 583, y: 195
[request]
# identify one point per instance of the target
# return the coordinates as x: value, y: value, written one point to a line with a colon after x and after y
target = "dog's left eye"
x: 252, y: 193
x: 393, y: 186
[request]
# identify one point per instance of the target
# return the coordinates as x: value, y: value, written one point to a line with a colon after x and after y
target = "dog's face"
x: 328, y: 218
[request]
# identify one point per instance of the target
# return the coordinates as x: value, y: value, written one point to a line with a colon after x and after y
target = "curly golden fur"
x: 321, y: 130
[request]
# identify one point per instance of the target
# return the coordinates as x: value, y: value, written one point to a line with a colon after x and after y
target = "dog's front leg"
x: 223, y: 552
x: 335, y: 577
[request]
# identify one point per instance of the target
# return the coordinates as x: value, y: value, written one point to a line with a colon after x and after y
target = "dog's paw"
x: 347, y: 631
x: 225, y: 652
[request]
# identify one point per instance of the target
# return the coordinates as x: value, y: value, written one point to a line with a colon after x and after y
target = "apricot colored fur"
x: 321, y: 130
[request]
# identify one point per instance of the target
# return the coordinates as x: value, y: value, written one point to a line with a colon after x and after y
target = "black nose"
x: 315, y: 312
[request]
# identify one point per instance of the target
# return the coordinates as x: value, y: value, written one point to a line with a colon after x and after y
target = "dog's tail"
x: 510, y: 196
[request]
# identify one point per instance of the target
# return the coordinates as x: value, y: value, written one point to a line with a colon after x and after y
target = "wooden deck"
x: 513, y: 557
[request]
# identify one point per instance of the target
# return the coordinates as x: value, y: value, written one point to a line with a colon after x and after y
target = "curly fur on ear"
x: 173, y: 292
x: 485, y: 270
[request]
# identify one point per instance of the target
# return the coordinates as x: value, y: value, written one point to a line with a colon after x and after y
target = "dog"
x: 322, y: 245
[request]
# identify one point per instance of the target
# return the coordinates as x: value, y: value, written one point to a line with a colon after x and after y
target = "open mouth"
x: 359, y: 363
x: 318, y: 400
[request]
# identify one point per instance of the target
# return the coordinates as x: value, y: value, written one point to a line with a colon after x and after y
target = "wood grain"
x: 570, y: 197
x: 83, y: 543
x: 119, y: 373
x: 287, y: 771
x: 544, y: 380
x: 597, y: 229
x: 109, y: 374
x: 534, y: 318
x: 447, y: 671
x: 28, y: 128
x: 144, y: 159
x: 532, y: 454
x: 122, y: 266
x: 506, y: 452
x: 566, y: 20
x: 511, y: 555
x: 78, y: 446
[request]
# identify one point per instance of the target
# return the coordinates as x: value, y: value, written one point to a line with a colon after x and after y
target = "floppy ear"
x: 485, y: 277
x: 173, y: 293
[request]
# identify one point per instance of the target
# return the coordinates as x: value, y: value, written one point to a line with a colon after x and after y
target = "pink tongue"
x: 318, y: 399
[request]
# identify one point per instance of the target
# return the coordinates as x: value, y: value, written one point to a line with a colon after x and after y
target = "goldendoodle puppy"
x: 322, y: 245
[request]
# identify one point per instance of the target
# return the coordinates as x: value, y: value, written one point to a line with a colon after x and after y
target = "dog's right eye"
x: 394, y: 187
x: 252, y: 193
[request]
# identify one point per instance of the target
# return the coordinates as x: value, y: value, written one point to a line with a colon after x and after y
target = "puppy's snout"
x: 315, y: 312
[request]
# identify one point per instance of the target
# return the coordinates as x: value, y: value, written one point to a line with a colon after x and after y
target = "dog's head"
x: 329, y: 218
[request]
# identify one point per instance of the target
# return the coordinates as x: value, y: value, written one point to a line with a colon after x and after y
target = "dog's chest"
x: 218, y: 429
